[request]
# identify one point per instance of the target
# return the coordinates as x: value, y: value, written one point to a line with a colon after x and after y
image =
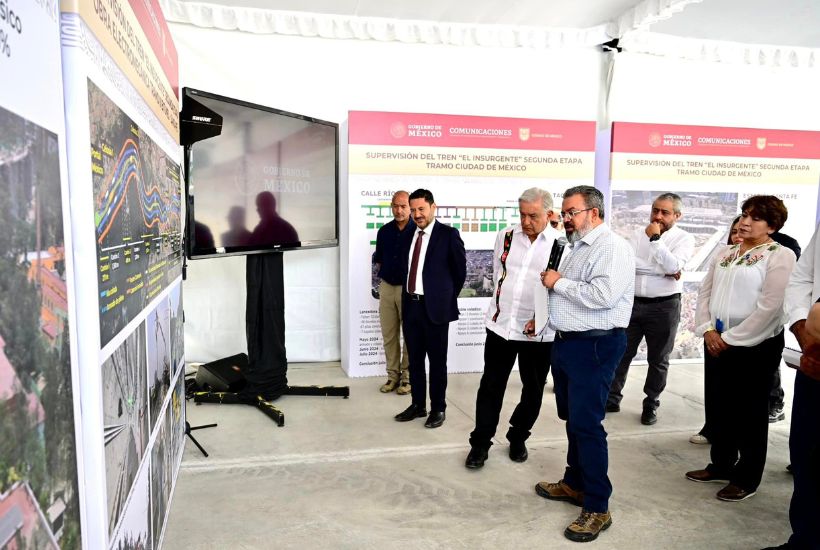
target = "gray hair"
x: 677, y: 203
x: 535, y: 194
x: 592, y: 197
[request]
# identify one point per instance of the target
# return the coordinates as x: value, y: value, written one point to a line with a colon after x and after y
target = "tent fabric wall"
x: 650, y: 88
x: 260, y: 21
x: 326, y: 78
x: 645, y: 13
x: 696, y: 49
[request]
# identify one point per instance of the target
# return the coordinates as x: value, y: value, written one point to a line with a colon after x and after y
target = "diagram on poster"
x: 125, y: 417
x: 39, y: 504
x: 137, y: 205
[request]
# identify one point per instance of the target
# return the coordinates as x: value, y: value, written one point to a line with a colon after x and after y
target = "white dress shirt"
x: 746, y: 293
x: 597, y: 284
x: 655, y: 260
x: 424, y: 242
x: 525, y: 262
x: 804, y: 284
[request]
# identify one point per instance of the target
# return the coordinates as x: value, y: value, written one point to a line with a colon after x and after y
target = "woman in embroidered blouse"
x: 740, y: 314
x: 702, y: 437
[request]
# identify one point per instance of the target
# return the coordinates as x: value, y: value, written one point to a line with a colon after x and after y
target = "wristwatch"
x: 655, y: 237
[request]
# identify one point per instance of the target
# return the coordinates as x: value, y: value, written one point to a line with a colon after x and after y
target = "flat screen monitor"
x: 267, y: 182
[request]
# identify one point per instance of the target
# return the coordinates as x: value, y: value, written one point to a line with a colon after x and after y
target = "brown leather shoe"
x: 733, y: 493
x: 404, y: 388
x: 705, y: 476
x: 588, y: 526
x: 389, y: 386
x: 559, y: 491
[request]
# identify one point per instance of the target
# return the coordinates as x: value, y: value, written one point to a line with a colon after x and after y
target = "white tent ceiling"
x: 541, y: 13
x: 790, y: 23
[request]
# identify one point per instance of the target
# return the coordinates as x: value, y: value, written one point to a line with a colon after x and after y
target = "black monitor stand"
x: 265, y: 374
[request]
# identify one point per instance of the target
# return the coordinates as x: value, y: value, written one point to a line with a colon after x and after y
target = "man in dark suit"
x: 436, y: 269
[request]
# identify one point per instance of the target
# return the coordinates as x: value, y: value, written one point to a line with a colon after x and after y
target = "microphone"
x: 556, y: 253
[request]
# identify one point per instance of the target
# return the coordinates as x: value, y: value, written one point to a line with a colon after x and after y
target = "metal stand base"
x: 232, y: 398
x: 189, y: 429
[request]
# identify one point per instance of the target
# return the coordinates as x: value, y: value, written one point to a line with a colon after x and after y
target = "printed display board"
x: 40, y: 481
x: 137, y: 205
x: 714, y: 170
x: 476, y: 168
x: 120, y: 81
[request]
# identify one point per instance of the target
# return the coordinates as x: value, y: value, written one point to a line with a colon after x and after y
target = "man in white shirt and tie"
x: 661, y: 251
x: 519, y: 256
x: 436, y: 269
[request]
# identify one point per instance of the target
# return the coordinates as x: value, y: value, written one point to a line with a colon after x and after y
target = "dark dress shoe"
x: 705, y: 476
x: 518, y: 451
x: 648, y: 417
x: 411, y: 413
x: 613, y: 408
x: 733, y: 493
x: 476, y: 458
x: 435, y: 419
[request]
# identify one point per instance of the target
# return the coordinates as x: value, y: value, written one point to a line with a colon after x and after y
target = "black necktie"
x: 414, y: 265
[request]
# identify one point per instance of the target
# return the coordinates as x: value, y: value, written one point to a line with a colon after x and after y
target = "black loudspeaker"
x: 224, y: 374
x: 196, y: 121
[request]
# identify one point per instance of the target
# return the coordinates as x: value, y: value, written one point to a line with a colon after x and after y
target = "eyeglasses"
x: 572, y: 213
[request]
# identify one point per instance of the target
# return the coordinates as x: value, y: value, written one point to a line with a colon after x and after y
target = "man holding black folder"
x: 520, y: 253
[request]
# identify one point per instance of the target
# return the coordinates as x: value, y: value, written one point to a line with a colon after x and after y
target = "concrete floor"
x: 343, y: 474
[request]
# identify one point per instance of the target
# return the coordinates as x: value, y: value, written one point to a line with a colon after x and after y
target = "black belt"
x: 594, y: 333
x: 642, y: 300
x: 416, y: 297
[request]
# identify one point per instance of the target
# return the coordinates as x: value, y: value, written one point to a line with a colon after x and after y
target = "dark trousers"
x: 533, y: 366
x: 710, y: 395
x: 658, y: 322
x: 776, y: 394
x: 743, y: 378
x: 582, y: 369
x: 804, y: 449
x: 426, y: 339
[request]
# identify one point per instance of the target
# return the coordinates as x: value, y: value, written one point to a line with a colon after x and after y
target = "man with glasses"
x: 589, y: 308
x: 520, y: 253
x: 661, y: 250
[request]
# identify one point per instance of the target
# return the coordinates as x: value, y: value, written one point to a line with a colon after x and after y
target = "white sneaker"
x: 698, y: 439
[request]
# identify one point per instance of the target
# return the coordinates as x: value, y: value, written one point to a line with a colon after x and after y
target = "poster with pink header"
x: 476, y: 167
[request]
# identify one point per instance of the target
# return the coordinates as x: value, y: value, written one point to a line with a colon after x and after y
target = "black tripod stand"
x: 259, y: 377
x: 189, y: 391
x: 235, y: 398
x: 189, y: 429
